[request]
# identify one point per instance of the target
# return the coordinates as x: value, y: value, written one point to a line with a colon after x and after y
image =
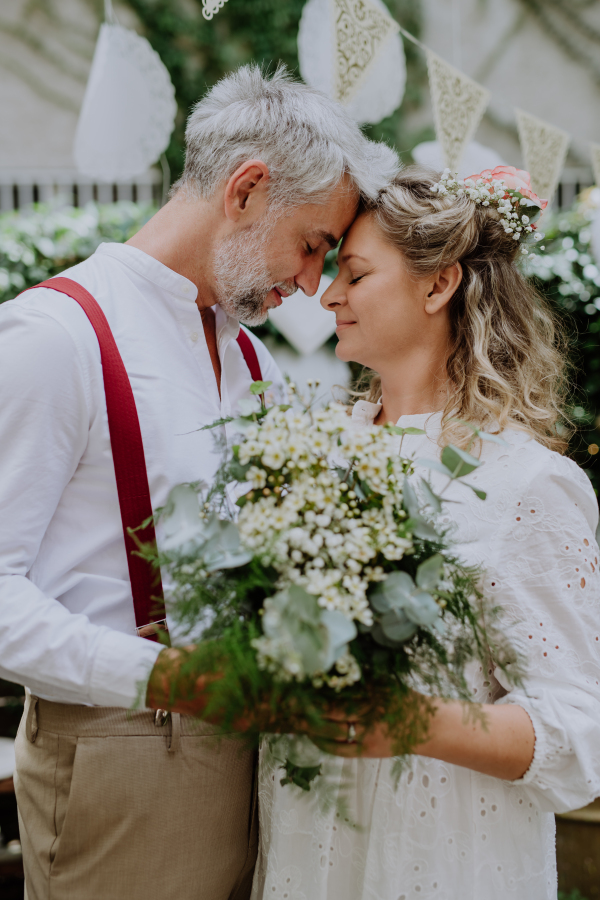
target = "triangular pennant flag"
x: 361, y: 29
x: 458, y: 105
x: 595, y: 154
x: 544, y: 149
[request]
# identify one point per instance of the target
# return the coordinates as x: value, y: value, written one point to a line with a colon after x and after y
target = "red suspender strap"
x: 129, y: 462
x: 129, y: 459
x: 247, y: 348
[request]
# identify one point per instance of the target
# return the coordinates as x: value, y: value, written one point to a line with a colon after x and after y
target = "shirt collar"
x: 150, y: 268
x: 169, y: 280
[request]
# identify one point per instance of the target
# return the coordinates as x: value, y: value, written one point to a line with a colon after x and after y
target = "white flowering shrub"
x: 40, y: 242
x: 327, y: 581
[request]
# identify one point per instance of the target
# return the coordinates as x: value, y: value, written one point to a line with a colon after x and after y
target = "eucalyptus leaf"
x: 183, y: 529
x: 393, y: 593
x: 396, y: 626
x: 423, y: 610
x: 432, y: 499
x: 397, y: 429
x: 459, y: 461
x: 434, y: 464
x: 481, y: 494
x: 340, y: 631
x: 429, y: 572
x: 259, y: 387
x: 380, y: 637
x: 411, y: 500
x: 426, y: 532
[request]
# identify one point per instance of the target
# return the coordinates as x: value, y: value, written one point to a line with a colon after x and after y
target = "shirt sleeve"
x: 546, y: 578
x: 44, y: 420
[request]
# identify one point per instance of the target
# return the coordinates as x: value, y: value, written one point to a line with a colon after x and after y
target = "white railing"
x: 20, y: 188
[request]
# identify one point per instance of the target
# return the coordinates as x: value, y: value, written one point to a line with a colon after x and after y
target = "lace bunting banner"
x: 352, y: 51
x: 458, y: 105
x: 361, y: 29
x: 544, y: 149
x: 212, y: 7
x: 595, y: 154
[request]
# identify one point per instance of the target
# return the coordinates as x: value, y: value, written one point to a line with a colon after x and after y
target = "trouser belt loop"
x: 175, y: 739
x: 31, y: 724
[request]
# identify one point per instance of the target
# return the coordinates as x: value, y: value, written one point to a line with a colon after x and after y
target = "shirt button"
x: 185, y: 288
x: 194, y: 336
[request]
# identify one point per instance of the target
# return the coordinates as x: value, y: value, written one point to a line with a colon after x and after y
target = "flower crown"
x: 506, y: 189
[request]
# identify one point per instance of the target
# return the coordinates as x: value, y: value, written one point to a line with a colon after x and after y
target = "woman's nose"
x: 334, y: 295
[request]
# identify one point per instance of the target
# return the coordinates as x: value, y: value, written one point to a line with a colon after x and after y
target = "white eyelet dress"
x: 447, y: 833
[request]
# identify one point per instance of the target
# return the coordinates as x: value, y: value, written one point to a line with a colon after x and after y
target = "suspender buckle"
x: 151, y: 630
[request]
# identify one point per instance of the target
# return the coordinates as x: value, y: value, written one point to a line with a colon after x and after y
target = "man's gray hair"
x: 308, y: 141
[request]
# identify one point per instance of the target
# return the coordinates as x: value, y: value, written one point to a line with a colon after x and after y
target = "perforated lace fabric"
x: 544, y: 149
x: 447, y: 833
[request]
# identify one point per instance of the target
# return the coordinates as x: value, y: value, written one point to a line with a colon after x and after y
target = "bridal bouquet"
x: 326, y: 584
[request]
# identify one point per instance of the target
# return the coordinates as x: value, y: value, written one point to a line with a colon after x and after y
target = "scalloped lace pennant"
x: 544, y: 149
x: 128, y: 110
x: 361, y: 30
x: 211, y: 7
x: 458, y: 105
x: 379, y: 85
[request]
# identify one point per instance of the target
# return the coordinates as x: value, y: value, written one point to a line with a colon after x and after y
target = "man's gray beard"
x: 242, y: 279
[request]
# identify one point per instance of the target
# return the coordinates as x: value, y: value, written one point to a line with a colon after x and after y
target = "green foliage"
x: 39, y: 243
x: 569, y: 277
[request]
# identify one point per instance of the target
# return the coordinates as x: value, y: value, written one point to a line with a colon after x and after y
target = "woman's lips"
x: 341, y: 325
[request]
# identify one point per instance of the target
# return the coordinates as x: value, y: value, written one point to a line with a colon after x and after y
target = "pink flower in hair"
x: 514, y: 179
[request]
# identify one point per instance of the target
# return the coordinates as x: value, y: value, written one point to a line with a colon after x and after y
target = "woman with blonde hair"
x: 431, y: 297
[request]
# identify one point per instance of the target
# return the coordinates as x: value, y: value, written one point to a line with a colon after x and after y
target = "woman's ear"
x: 442, y: 288
x: 246, y: 191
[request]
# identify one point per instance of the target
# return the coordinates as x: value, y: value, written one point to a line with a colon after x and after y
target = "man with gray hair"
x: 114, y: 804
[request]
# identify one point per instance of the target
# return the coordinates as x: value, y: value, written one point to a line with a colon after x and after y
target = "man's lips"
x: 341, y: 325
x: 278, y: 296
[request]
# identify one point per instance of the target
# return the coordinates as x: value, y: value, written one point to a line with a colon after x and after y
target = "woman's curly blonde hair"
x: 507, y: 355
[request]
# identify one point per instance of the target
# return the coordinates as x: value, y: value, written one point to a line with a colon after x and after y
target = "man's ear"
x: 246, y: 192
x: 442, y: 287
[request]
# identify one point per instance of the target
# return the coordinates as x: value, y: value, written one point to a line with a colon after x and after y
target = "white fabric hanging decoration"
x: 302, y: 320
x: 211, y: 7
x: 595, y: 154
x: 544, y: 149
x: 458, y: 105
x: 128, y: 110
x: 475, y: 159
x: 351, y: 50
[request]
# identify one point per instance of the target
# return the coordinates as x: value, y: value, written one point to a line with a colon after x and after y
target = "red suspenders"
x: 129, y: 459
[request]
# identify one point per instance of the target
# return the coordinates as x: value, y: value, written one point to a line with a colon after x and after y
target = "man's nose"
x: 310, y: 277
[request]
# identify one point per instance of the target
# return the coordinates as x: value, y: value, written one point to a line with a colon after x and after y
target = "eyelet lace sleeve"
x: 545, y: 574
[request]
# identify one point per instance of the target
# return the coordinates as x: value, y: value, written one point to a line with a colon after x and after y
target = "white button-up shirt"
x: 67, y: 624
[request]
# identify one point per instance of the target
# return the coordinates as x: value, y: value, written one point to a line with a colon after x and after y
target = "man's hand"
x: 170, y: 688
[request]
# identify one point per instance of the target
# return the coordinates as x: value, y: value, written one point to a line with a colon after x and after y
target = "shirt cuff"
x: 121, y: 668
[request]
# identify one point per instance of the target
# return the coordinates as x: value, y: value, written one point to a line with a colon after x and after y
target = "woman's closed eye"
x: 356, y: 280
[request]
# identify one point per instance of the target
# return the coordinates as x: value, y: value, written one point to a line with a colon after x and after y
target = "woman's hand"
x: 496, y: 740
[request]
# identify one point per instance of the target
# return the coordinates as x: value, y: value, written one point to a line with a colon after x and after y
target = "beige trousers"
x: 114, y: 807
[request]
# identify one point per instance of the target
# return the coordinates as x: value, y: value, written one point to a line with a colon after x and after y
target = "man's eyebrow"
x: 329, y: 239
